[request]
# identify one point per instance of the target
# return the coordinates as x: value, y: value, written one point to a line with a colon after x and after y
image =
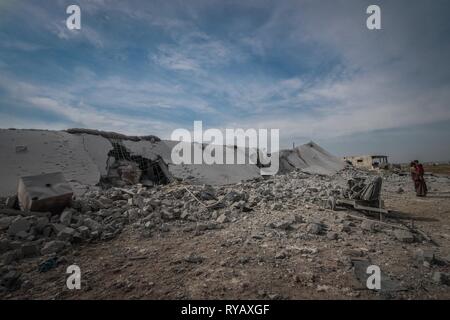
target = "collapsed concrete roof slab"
x: 84, y: 158
x: 310, y: 158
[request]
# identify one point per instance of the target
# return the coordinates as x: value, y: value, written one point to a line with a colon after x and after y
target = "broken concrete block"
x: 11, y: 202
x: 92, y: 224
x: 53, y: 247
x: 404, y: 235
x: 4, y: 246
x: 44, y: 193
x: 66, y: 217
x: 369, y: 225
x: 10, y: 257
x: 41, y: 223
x: 58, y: 227
x: 18, y: 225
x: 66, y: 234
x: 441, y: 278
x: 30, y: 250
x: 5, y: 222
x: 314, y: 228
x: 332, y: 235
x: 222, y: 219
x: 424, y: 255
x: 11, y: 280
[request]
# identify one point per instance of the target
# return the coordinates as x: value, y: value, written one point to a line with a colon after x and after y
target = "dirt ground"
x: 248, y: 260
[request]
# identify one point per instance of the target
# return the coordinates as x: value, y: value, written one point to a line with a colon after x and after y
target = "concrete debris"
x: 404, y: 235
x: 44, y: 193
x: 441, y: 278
x: 315, y: 228
x: 54, y: 246
x: 19, y: 225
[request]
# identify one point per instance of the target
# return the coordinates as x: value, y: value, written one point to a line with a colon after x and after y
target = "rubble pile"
x: 291, y: 205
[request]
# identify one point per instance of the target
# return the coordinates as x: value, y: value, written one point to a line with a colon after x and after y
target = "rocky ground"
x: 268, y: 239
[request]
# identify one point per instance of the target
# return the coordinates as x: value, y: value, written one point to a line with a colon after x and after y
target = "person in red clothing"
x: 421, y: 186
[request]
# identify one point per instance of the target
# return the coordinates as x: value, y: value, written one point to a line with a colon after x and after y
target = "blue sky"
x: 310, y: 68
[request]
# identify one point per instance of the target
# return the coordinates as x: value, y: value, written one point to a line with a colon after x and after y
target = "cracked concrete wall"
x: 78, y: 157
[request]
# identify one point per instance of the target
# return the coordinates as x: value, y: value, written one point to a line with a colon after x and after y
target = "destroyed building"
x: 89, y: 158
x: 369, y: 162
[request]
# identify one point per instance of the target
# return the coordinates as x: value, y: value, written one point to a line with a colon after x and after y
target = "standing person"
x: 414, y: 176
x: 422, y: 189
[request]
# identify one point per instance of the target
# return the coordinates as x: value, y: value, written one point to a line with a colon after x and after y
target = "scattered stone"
x: 404, y: 235
x: 424, y: 255
x: 332, y: 235
x: 92, y: 224
x: 54, y: 246
x: 5, y: 222
x: 11, y: 202
x: 11, y: 280
x: 193, y: 258
x: 369, y: 225
x: 4, y: 246
x: 222, y: 219
x: 441, y: 278
x: 66, y: 234
x: 30, y: 250
x: 66, y: 217
x: 314, y: 228
x: 18, y: 225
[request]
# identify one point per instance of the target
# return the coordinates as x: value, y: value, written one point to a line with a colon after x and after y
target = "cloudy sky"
x: 310, y: 68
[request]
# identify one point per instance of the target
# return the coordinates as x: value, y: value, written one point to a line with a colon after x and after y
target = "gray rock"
x: 84, y: 232
x: 58, y: 227
x: 283, y: 225
x: 30, y: 250
x: 332, y: 235
x: 222, y: 219
x: 18, y: 225
x: 10, y: 256
x: 369, y: 225
x: 4, y: 246
x: 54, y: 246
x: 5, y: 222
x: 193, y: 258
x: 404, y: 235
x: 164, y: 227
x: 41, y: 223
x: 11, y: 280
x: 66, y: 234
x: 11, y: 202
x: 66, y: 217
x: 314, y: 228
x: 184, y: 214
x: 22, y: 235
x: 441, y: 278
x: 167, y: 215
x: 92, y: 224
x: 276, y: 206
x: 424, y: 255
